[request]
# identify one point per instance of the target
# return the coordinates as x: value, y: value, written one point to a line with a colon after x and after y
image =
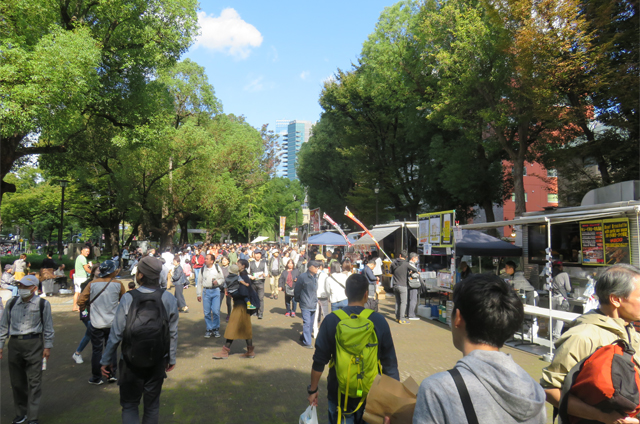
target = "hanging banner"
x: 283, y: 221
x: 348, y: 213
x: 446, y: 228
x: 337, y: 227
x: 314, y: 220
x: 434, y: 229
x: 423, y: 230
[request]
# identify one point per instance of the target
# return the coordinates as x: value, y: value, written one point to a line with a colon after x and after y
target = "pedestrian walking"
x: 27, y: 320
x: 276, y: 266
x: 19, y: 267
x: 225, y: 297
x: 149, y: 345
x: 336, y: 284
x: 197, y: 262
x: 82, y: 270
x: 85, y: 318
x: 306, y: 294
x: 239, y: 326
x: 257, y: 273
x: 208, y: 292
x: 400, y: 271
x: 179, y: 280
x: 102, y: 295
x: 287, y: 283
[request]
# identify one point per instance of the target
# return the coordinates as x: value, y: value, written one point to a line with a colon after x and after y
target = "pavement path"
x: 268, y: 389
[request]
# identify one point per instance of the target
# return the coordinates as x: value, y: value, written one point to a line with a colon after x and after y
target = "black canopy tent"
x: 476, y: 243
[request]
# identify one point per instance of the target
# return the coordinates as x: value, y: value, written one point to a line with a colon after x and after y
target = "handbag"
x: 414, y: 282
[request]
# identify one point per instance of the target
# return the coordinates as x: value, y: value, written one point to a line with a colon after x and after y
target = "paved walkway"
x: 268, y: 389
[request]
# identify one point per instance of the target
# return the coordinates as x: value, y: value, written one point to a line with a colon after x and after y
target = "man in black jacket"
x: 357, y: 290
x: 258, y: 271
x: 400, y: 270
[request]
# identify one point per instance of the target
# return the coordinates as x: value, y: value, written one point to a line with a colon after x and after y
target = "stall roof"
x: 558, y: 216
x: 260, y: 239
x: 379, y: 233
x: 327, y: 238
x: 476, y: 243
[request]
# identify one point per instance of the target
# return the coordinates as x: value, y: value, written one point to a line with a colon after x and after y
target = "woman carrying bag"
x: 286, y: 284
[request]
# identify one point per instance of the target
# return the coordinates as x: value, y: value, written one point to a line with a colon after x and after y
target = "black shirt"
x: 326, y: 349
x: 49, y: 263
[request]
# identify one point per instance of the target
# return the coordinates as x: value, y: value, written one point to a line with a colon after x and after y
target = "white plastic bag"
x: 310, y: 416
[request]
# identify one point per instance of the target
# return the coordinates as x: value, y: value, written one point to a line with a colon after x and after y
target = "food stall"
x: 587, y: 239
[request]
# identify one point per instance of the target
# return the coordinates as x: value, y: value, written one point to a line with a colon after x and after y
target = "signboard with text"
x: 436, y: 229
x: 605, y: 242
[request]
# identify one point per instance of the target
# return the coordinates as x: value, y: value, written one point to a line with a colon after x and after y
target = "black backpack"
x: 145, y: 341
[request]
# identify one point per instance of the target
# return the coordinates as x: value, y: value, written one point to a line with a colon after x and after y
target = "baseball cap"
x: 234, y: 269
x: 30, y: 280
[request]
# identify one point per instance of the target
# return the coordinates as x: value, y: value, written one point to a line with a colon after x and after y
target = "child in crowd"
x: 132, y: 285
x: 236, y: 287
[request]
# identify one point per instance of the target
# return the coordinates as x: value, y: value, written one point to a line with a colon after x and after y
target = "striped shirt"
x: 25, y: 319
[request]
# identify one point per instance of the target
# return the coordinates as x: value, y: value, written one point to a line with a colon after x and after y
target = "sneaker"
x: 250, y: 306
x: 288, y: 314
x: 293, y: 314
x: 19, y: 420
x: 96, y: 382
x: 207, y: 334
x: 414, y: 319
x: 78, y: 358
x: 112, y: 379
x: 403, y: 321
x: 216, y: 334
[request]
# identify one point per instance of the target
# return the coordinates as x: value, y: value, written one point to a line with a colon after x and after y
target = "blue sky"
x: 267, y: 60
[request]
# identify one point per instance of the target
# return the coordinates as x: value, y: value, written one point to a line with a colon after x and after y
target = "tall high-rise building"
x: 283, y: 149
x: 298, y: 132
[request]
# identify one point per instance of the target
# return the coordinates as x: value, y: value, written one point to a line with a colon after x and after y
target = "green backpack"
x: 356, y: 361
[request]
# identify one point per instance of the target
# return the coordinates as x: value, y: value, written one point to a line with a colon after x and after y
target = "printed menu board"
x: 605, y: 242
x: 436, y: 229
x: 591, y: 239
x: 616, y: 241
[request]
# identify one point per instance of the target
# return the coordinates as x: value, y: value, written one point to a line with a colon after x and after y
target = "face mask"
x: 24, y: 293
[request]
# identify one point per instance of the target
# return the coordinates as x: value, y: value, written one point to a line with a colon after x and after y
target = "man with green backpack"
x: 357, y: 344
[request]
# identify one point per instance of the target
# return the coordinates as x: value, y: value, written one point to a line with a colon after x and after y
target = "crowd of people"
x: 330, y: 289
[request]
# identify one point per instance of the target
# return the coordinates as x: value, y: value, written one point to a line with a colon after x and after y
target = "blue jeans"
x: 86, y: 339
x: 196, y: 274
x: 339, y: 305
x: 211, y: 306
x: 307, y: 325
x: 355, y: 418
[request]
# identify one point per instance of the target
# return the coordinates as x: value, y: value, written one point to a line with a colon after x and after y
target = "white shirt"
x: 168, y: 259
x: 322, y: 290
x: 336, y: 288
x: 207, y: 278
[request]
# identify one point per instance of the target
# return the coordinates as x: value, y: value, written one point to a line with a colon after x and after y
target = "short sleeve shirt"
x: 81, y: 261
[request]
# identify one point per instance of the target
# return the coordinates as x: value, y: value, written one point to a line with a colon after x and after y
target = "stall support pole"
x: 549, y: 356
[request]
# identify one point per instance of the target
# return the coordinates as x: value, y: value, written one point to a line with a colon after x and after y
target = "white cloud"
x: 274, y: 53
x: 329, y: 79
x: 227, y: 33
x: 304, y: 75
x: 255, y: 85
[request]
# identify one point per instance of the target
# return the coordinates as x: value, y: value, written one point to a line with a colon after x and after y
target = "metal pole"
x: 61, y: 225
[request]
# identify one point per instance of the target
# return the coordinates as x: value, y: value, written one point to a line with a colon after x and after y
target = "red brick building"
x: 540, y: 188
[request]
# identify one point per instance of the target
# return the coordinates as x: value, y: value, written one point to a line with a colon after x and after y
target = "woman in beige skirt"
x: 239, y: 326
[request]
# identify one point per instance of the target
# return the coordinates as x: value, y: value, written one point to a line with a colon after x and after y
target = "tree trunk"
x: 132, y: 235
x: 184, y: 232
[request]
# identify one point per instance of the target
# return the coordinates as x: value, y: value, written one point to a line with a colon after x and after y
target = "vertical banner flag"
x: 337, y: 227
x: 314, y: 220
x: 283, y: 221
x: 357, y: 221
